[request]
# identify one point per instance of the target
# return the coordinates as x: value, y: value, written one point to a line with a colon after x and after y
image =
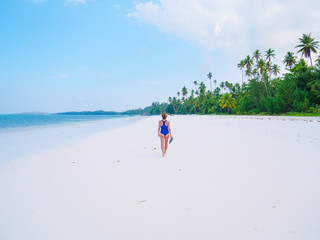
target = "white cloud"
x: 219, y: 23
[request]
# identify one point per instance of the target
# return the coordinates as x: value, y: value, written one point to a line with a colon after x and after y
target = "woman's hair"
x: 164, y: 115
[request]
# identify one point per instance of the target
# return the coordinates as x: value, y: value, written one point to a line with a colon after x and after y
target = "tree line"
x: 262, y: 90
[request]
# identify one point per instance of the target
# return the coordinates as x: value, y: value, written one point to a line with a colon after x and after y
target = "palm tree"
x: 248, y: 62
x: 241, y: 65
x: 184, y: 91
x: 215, y: 83
x: 269, y: 54
x: 257, y: 55
x: 228, y: 85
x: 209, y: 75
x: 318, y: 60
x: 195, y: 85
x: 202, y: 89
x: 174, y: 104
x: 178, y: 93
x: 237, y: 87
x: 275, y: 69
x: 248, y: 73
x: 222, y: 86
x: 289, y: 59
x: 262, y: 66
x: 170, y: 100
x: 268, y: 69
x: 254, y: 72
x: 308, y: 45
x: 227, y: 101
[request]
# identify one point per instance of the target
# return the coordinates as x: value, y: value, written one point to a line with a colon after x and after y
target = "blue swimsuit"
x: 164, y: 129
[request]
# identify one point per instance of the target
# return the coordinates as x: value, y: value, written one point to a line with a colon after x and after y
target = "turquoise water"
x: 13, y: 121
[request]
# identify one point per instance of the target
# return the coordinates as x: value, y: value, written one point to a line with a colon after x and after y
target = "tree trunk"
x: 270, y: 75
x: 174, y: 109
x: 265, y: 84
x: 242, y: 76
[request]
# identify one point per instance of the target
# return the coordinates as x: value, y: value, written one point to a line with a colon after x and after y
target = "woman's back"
x: 164, y: 127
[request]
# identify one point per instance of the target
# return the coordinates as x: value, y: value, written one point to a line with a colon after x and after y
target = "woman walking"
x: 164, y: 132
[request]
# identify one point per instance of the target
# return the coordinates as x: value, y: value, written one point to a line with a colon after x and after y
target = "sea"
x: 17, y: 121
x: 26, y: 134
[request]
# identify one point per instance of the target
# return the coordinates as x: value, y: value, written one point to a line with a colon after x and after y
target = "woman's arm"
x: 159, y: 129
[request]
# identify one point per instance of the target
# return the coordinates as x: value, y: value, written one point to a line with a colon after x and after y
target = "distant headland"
x: 139, y: 111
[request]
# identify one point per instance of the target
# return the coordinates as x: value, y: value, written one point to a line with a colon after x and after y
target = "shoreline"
x: 19, y: 141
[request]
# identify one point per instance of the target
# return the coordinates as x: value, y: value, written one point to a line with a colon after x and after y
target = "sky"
x: 112, y: 55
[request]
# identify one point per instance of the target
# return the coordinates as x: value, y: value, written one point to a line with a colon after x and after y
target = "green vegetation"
x: 296, y: 92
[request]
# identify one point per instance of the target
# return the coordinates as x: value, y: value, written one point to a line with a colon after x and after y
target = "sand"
x: 224, y: 177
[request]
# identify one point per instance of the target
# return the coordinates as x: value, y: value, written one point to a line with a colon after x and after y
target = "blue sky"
x: 74, y: 55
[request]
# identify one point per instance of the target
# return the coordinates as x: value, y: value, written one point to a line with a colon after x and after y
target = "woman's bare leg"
x: 162, y: 139
x: 166, y: 139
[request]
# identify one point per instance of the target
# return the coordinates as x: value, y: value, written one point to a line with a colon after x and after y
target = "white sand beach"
x: 224, y: 178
